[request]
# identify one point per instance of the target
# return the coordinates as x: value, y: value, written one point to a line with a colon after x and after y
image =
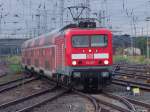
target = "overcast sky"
x: 123, y: 16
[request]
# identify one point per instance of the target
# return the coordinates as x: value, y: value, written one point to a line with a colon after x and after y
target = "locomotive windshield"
x: 98, y: 41
x: 89, y: 41
x: 80, y: 41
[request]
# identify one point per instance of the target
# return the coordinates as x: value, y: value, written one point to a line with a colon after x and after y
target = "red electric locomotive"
x: 73, y: 55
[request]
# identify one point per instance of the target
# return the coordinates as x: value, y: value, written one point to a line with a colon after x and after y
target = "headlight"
x: 106, y: 62
x: 90, y: 50
x: 74, y: 63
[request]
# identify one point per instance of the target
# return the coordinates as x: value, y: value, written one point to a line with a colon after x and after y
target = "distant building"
x: 131, y: 51
x: 120, y: 41
x: 11, y: 46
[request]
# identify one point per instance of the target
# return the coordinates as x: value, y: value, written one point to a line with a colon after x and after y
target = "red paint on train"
x: 66, y: 51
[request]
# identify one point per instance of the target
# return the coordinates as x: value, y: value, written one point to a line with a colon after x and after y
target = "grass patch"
x: 15, y: 68
x: 14, y: 63
x: 131, y: 59
x: 119, y: 58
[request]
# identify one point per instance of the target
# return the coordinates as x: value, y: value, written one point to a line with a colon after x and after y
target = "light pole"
x: 147, y: 25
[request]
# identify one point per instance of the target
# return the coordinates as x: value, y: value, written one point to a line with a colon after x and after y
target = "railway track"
x: 29, y: 102
x: 102, y: 105
x: 96, y: 105
x: 17, y: 104
x: 142, y: 74
x: 127, y: 65
x: 142, y: 77
x: 2, y: 75
x: 145, y: 106
x: 48, y: 97
x: 143, y: 86
x: 115, y: 103
x: 134, y: 68
x: 16, y: 101
x: 140, y: 102
x: 15, y: 83
x: 139, y: 105
x: 132, y: 75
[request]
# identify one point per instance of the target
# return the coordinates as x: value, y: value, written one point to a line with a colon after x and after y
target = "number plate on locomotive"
x: 89, y: 62
x: 89, y: 56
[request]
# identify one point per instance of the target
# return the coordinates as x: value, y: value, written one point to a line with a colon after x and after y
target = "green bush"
x: 15, y: 68
x: 14, y: 63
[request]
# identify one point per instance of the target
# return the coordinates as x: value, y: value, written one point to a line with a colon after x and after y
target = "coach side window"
x: 26, y: 53
x: 41, y: 52
x: 32, y: 52
x: 47, y: 65
x: 36, y: 62
x: 37, y: 52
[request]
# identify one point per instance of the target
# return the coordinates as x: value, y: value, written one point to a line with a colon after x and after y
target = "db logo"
x: 89, y: 56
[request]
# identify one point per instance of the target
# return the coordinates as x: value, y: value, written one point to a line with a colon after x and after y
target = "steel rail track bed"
x: 14, y: 81
x: 132, y: 84
x: 11, y: 86
x: 110, y: 105
x: 14, y: 105
x: 46, y: 100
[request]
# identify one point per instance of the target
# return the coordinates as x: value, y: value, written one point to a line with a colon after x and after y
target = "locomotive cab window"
x: 99, y: 41
x: 90, y: 41
x: 80, y: 41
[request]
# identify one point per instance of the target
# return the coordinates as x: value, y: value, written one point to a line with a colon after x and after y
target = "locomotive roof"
x: 45, y: 38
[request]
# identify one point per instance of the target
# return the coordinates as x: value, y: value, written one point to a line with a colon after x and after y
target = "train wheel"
x: 85, y: 84
x: 41, y: 74
x: 57, y: 79
x: 69, y: 82
x: 27, y: 72
x: 90, y: 84
x: 65, y: 80
x: 32, y: 72
x: 94, y: 84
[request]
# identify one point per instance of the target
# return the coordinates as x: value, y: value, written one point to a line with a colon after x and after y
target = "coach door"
x: 52, y: 59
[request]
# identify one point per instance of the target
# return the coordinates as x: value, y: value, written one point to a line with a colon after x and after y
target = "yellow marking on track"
x: 136, y: 91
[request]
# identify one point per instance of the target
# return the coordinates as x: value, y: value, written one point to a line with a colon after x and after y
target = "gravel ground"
x: 23, y: 90
x: 67, y: 103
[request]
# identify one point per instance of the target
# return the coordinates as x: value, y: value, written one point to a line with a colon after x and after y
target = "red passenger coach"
x: 80, y: 57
